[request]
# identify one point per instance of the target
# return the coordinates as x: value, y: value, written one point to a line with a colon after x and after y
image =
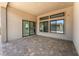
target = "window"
x: 57, y: 26
x: 44, y: 18
x: 44, y: 26
x: 57, y: 15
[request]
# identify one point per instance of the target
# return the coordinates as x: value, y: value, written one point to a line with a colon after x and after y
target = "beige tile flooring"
x: 39, y: 46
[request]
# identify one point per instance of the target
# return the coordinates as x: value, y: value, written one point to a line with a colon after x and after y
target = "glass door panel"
x: 31, y: 26
x: 25, y: 28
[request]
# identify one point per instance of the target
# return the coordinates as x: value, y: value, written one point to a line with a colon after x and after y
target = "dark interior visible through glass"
x: 44, y: 26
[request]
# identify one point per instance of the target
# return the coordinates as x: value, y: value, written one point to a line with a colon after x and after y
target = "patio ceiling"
x: 37, y: 8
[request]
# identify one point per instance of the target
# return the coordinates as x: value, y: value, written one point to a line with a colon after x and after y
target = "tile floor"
x: 39, y: 46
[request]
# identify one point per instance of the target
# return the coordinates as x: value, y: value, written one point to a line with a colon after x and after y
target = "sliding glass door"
x: 28, y: 28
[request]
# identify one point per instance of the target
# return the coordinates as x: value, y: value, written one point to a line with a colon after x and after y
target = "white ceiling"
x: 37, y: 8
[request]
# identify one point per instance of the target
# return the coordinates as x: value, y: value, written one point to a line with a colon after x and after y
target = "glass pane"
x: 25, y: 28
x: 44, y: 18
x: 31, y: 27
x: 60, y: 26
x: 57, y: 15
x: 53, y: 26
x: 46, y: 26
x: 41, y: 27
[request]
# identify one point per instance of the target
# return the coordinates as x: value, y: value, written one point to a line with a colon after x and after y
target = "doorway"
x: 28, y: 28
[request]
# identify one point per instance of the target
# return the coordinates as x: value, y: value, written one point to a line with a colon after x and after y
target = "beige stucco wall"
x: 68, y: 24
x: 3, y: 24
x: 0, y: 24
x: 76, y: 26
x: 0, y: 34
x: 2, y: 28
x: 15, y: 18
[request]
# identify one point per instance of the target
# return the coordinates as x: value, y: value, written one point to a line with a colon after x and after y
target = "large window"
x: 57, y: 26
x: 44, y: 26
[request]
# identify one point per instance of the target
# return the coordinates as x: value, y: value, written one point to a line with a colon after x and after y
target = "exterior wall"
x: 68, y: 24
x: 3, y: 24
x: 2, y: 28
x: 76, y: 26
x: 15, y: 18
x: 0, y: 24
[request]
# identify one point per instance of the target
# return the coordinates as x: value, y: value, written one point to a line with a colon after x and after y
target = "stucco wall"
x: 68, y: 24
x: 76, y: 26
x: 15, y: 18
x: 3, y: 24
x: 0, y: 24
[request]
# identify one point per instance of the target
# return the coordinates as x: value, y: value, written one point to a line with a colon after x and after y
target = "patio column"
x: 76, y: 26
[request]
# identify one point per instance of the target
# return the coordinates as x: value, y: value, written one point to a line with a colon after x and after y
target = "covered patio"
x: 39, y: 29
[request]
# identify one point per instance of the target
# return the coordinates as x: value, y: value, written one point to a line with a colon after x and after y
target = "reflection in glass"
x: 41, y: 27
x: 25, y: 28
x: 60, y: 26
x: 44, y: 26
x: 57, y: 26
x: 31, y: 26
x: 53, y: 26
x: 28, y: 28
